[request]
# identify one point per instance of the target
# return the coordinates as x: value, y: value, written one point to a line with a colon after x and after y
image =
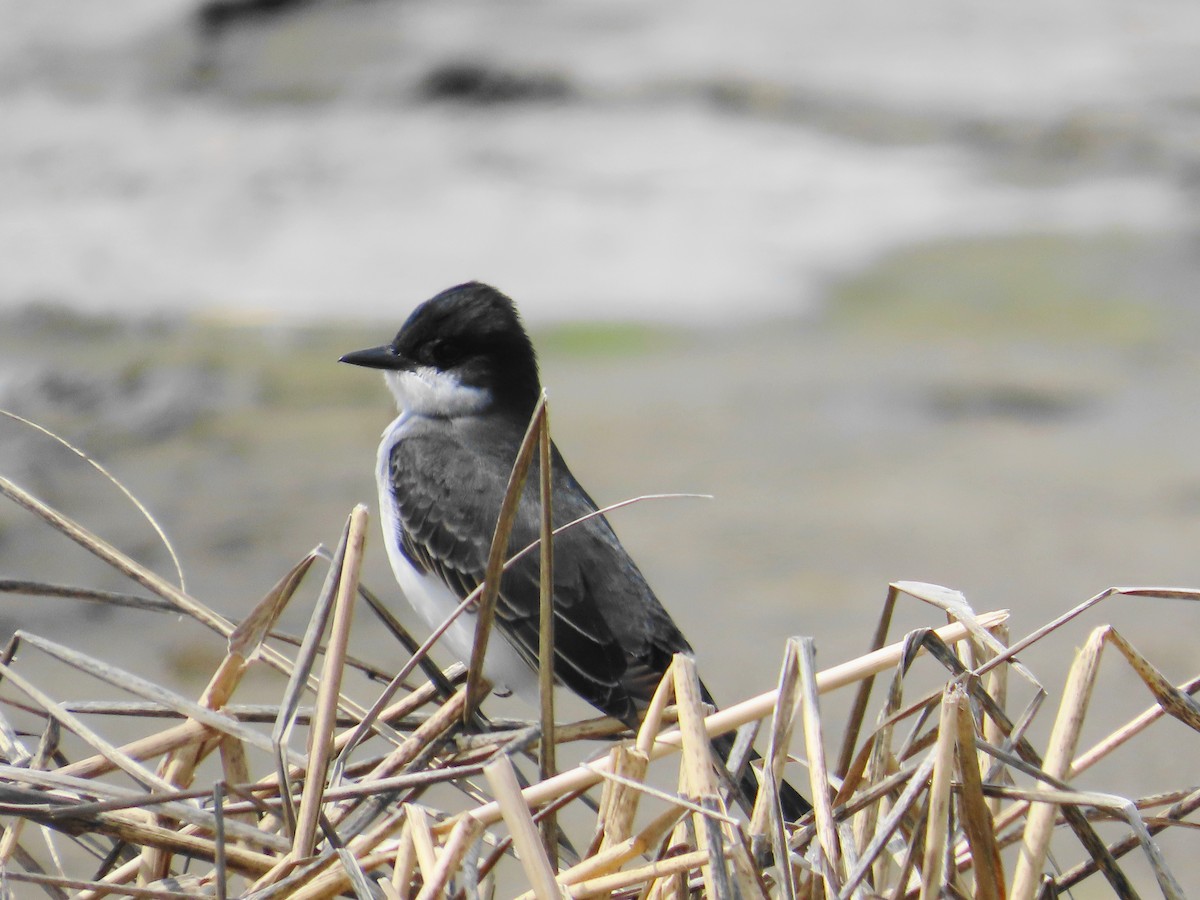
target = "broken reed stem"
x: 766, y: 813
x: 937, y: 819
x: 699, y: 781
x: 612, y: 857
x: 498, y: 553
x: 974, y: 810
x: 646, y: 874
x: 859, y: 708
x: 995, y: 685
x: 619, y: 802
x: 422, y: 838
x: 1039, y: 821
x: 814, y: 746
x: 406, y: 863
x: 320, y: 747
x: 532, y: 854
x: 547, y: 764
x: 467, y: 829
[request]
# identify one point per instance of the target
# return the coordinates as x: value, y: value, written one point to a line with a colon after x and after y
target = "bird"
x: 464, y: 375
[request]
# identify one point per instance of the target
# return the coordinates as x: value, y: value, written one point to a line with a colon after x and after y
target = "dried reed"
x: 416, y: 795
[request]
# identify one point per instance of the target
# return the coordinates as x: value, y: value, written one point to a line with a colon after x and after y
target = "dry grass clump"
x: 416, y: 795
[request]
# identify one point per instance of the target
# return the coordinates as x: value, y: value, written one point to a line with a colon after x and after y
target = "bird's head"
x: 462, y: 352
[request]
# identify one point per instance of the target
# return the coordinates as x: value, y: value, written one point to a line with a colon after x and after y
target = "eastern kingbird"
x: 465, y: 378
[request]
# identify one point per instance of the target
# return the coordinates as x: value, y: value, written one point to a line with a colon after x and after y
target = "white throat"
x: 429, y: 392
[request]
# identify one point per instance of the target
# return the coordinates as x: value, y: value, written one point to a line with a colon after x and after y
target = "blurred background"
x: 909, y: 288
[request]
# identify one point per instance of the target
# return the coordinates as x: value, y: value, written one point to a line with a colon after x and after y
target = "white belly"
x: 434, y: 602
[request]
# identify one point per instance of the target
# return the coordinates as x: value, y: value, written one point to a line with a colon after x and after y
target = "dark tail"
x: 791, y: 801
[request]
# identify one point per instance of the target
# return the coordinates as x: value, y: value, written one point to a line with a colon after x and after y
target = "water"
x: 696, y: 165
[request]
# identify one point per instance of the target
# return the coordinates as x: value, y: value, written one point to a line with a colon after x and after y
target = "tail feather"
x: 792, y: 803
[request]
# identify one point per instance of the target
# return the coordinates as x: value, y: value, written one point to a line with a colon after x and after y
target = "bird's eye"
x: 445, y: 353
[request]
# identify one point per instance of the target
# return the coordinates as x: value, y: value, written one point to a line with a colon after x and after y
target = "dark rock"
x: 1028, y: 403
x: 483, y: 83
x: 214, y: 16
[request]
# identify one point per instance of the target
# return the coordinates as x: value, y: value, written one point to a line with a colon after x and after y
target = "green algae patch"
x: 1048, y: 287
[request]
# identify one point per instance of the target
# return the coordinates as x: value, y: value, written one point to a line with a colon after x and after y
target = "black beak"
x: 376, y: 358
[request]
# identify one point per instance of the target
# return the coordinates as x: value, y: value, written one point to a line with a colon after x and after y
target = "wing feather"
x: 613, y: 640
